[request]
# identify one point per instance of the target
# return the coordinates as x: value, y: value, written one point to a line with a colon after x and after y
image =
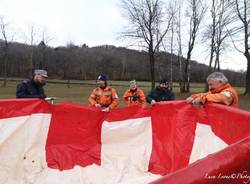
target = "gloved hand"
x: 189, y: 99
x: 153, y: 102
x: 197, y: 102
x: 97, y: 105
x: 105, y: 109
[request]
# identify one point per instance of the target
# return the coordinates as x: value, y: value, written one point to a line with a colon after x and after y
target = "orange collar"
x: 226, y: 86
x: 105, y: 89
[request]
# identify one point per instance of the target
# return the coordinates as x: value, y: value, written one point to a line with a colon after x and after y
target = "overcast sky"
x: 94, y: 22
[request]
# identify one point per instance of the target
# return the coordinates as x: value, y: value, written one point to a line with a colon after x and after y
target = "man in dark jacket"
x: 160, y: 93
x: 32, y: 88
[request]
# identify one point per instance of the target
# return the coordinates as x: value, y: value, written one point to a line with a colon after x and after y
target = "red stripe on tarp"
x: 231, y: 165
x: 229, y: 123
x: 75, y: 133
x: 22, y: 107
x: 173, y: 125
x: 132, y: 112
x: 74, y: 136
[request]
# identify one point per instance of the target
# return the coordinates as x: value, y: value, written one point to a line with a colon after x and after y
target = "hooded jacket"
x: 106, y: 97
x: 225, y: 95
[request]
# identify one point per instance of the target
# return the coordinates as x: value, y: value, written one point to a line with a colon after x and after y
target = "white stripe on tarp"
x: 126, y: 150
x: 205, y: 143
x: 125, y: 154
x: 22, y: 147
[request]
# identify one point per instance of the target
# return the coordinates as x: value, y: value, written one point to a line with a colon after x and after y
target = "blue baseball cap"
x: 41, y: 72
x: 102, y: 77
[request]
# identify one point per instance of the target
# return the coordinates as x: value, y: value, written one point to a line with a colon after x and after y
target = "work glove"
x: 97, y: 105
x: 153, y: 102
x: 105, y: 109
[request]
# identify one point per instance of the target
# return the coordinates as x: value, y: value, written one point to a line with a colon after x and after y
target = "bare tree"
x: 211, y: 35
x: 173, y: 11
x: 147, y: 26
x: 243, y: 12
x: 43, y: 49
x: 224, y: 19
x: 220, y: 31
x: 197, y: 10
x: 179, y: 42
x: 32, y: 34
x: 45, y: 36
x: 3, y: 27
x: 31, y: 37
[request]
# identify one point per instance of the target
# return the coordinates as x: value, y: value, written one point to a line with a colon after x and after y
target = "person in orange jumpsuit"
x: 103, y: 96
x: 134, y: 95
x: 220, y: 91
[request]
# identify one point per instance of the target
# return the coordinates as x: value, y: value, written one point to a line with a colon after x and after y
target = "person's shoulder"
x: 127, y: 91
x: 156, y: 89
x: 153, y: 90
x: 169, y: 91
x: 111, y: 89
x: 24, y: 82
x: 139, y: 90
x: 96, y: 89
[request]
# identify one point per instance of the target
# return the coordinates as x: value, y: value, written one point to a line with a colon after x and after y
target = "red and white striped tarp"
x: 172, y: 142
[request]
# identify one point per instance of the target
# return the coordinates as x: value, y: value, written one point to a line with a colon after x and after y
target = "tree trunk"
x: 180, y: 74
x: 247, y: 90
x: 31, y: 62
x: 152, y: 68
x: 68, y: 83
x: 187, y: 73
x: 181, y: 83
x: 5, y: 70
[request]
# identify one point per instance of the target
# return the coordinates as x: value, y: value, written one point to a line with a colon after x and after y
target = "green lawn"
x: 80, y: 92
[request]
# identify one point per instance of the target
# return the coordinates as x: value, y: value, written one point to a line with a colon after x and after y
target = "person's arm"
x: 125, y: 98
x: 92, y: 98
x: 172, y: 96
x: 42, y: 94
x: 115, y: 100
x: 23, y: 92
x: 224, y: 97
x: 142, y: 98
x: 195, y: 96
x: 149, y: 98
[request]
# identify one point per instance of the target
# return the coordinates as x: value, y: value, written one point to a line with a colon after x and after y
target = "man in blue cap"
x: 160, y: 93
x: 33, y: 88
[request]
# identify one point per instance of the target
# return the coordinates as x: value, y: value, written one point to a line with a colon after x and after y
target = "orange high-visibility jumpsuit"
x: 105, y: 97
x: 225, y: 95
x: 136, y: 97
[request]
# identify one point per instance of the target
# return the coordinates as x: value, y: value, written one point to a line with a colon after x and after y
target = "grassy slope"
x: 79, y: 93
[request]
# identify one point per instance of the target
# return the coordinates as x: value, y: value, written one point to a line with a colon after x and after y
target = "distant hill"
x: 118, y: 63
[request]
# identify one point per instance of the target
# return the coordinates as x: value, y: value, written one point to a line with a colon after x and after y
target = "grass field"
x: 80, y: 91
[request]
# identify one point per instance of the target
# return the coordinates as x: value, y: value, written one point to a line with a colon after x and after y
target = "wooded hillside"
x: 84, y: 63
